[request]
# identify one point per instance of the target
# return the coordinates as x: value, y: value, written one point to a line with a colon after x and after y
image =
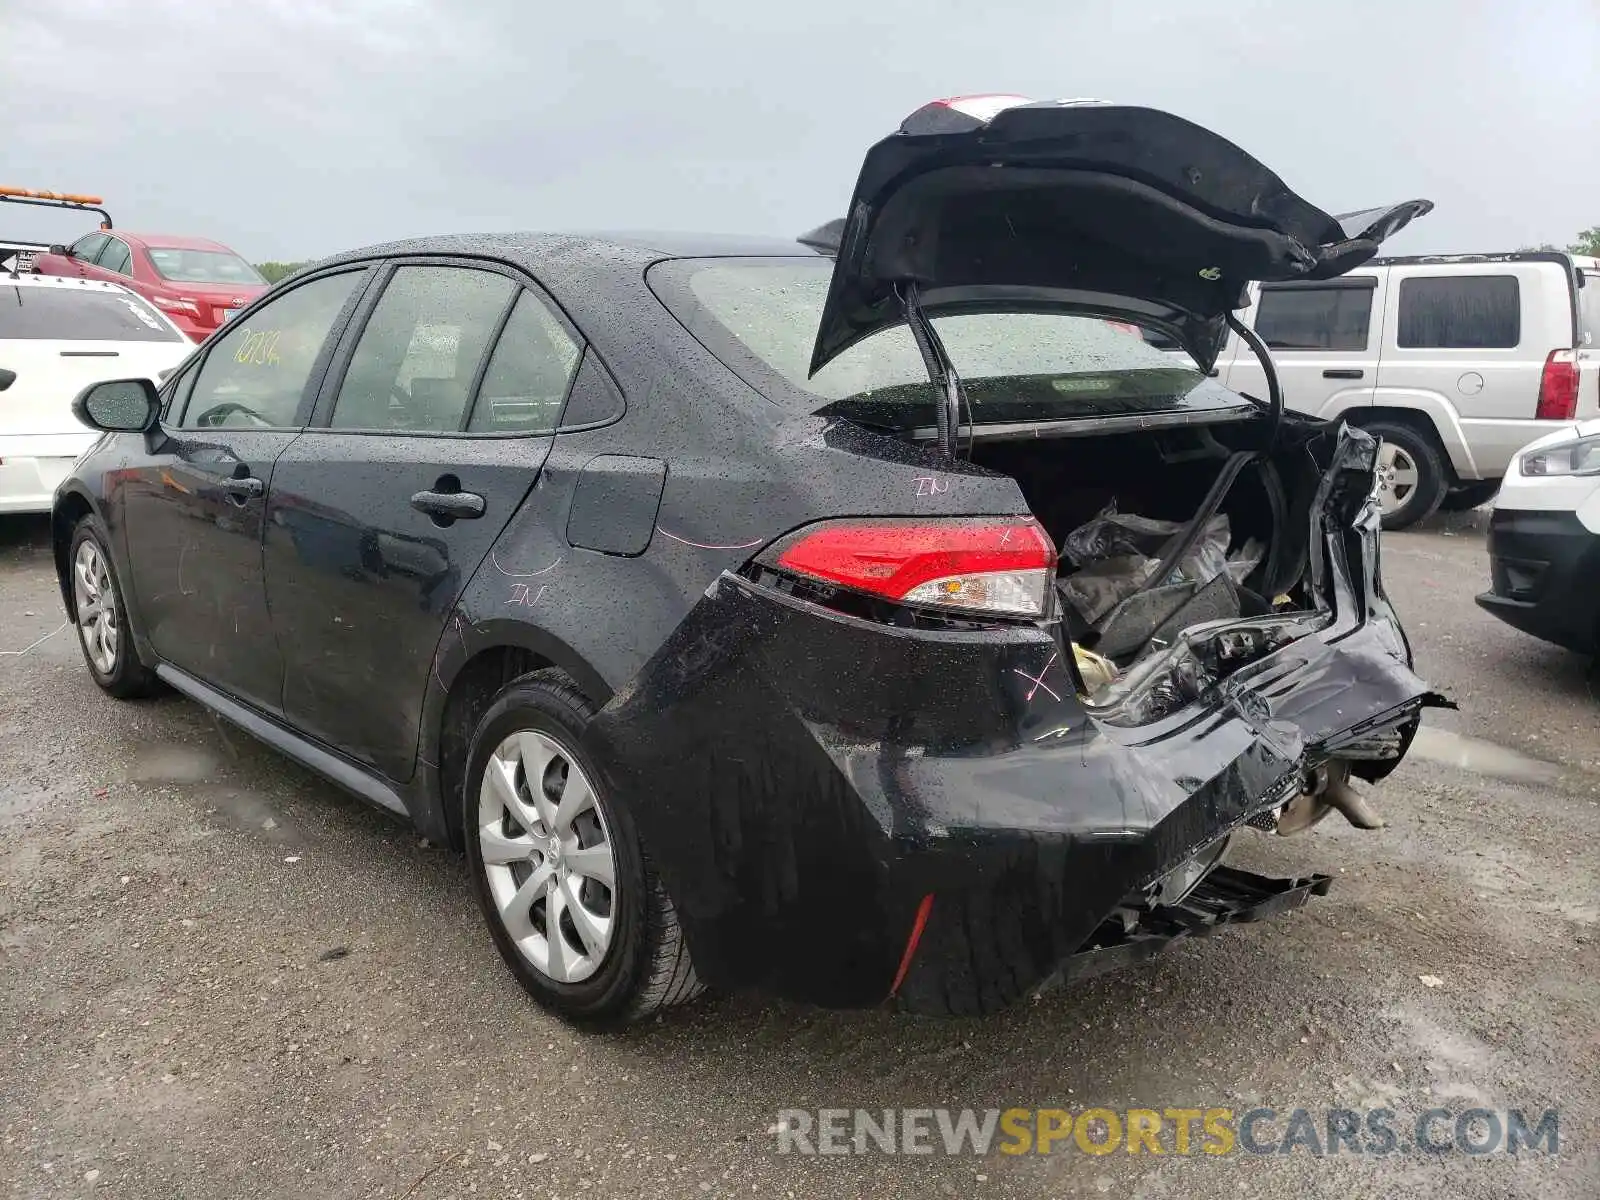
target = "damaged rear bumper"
x: 805, y: 780
x: 1227, y: 896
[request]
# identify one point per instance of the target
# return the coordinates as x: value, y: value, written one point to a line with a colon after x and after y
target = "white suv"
x: 1457, y: 362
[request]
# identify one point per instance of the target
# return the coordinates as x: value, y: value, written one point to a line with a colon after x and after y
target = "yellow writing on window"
x: 258, y: 349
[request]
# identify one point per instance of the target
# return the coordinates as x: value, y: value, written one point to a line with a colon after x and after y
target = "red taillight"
x: 1000, y: 565
x: 1558, y: 387
x: 176, y: 304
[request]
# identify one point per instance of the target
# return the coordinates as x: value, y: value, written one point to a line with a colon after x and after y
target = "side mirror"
x: 61, y: 250
x: 7, y: 378
x: 119, y: 406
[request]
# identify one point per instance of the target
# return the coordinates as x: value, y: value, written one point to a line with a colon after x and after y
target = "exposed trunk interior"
x: 1117, y: 505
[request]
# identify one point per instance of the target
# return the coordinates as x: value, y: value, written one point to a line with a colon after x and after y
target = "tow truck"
x: 17, y: 257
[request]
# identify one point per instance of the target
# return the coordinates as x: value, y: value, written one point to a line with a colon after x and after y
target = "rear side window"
x: 533, y: 365
x: 1316, y: 318
x: 1460, y: 312
x: 115, y: 257
x: 255, y: 374
x: 418, y: 356
x: 74, y: 314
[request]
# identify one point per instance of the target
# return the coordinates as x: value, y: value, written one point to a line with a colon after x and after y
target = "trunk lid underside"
x: 1107, y: 210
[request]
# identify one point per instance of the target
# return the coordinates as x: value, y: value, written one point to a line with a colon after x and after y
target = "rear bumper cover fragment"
x: 1227, y: 896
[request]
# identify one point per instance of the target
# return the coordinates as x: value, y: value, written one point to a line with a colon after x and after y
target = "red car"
x: 195, y: 281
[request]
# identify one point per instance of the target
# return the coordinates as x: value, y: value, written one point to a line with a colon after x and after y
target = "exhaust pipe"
x: 1326, y: 789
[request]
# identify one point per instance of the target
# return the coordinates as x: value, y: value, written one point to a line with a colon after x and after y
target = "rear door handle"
x: 458, y: 506
x: 1343, y: 373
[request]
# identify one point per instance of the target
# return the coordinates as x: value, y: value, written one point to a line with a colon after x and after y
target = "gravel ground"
x: 222, y: 977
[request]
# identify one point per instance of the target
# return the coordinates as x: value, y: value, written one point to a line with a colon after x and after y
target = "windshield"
x: 760, y: 317
x: 69, y: 315
x: 202, y: 266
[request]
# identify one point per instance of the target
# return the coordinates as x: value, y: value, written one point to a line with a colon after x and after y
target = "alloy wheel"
x: 547, y: 856
x: 1398, y: 477
x: 96, y: 607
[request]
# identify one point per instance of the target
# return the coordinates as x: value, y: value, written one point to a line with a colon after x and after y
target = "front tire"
x: 569, y: 894
x: 101, y: 617
x: 1412, y: 479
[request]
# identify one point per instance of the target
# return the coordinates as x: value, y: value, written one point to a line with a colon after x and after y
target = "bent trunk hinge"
x: 941, y: 371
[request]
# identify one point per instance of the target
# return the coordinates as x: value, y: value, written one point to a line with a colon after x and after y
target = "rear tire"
x: 1412, y: 475
x: 572, y: 901
x: 101, y: 617
x: 1468, y: 496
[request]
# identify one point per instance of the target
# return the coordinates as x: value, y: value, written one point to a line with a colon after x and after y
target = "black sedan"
x: 879, y: 620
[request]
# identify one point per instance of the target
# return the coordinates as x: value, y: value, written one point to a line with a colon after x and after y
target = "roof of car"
x: 644, y: 246
x: 169, y: 241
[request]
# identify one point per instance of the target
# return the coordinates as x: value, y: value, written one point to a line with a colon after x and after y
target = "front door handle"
x: 1343, y: 373
x: 452, y: 506
x: 246, y: 487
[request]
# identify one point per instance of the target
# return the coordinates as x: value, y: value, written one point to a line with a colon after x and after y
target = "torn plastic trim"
x: 1227, y: 896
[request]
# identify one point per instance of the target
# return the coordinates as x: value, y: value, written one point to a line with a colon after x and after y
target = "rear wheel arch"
x: 1424, y: 446
x: 1416, y: 418
x: 472, y: 689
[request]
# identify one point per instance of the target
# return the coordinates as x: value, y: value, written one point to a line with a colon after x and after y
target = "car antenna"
x: 941, y: 371
x: 1274, y: 388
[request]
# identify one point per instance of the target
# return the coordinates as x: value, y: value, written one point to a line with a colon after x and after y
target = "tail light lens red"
x: 997, y: 565
x: 176, y: 304
x: 1558, y: 387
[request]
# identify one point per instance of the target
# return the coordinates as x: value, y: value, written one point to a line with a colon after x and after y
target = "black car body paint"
x: 812, y: 776
x: 803, y: 778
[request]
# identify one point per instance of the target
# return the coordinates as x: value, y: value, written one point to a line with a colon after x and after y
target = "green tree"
x: 1588, y: 242
x: 274, y: 271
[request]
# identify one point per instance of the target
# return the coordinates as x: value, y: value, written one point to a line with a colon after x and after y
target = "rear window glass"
x: 1460, y: 312
x: 1322, y: 318
x: 69, y: 314
x: 760, y: 316
x: 202, y: 266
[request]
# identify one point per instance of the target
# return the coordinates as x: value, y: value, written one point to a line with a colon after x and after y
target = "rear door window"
x: 79, y: 314
x: 419, y: 355
x: 1332, y: 317
x: 115, y: 257
x: 1459, y: 312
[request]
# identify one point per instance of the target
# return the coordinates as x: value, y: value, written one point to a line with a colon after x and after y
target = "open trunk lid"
x: 1000, y: 204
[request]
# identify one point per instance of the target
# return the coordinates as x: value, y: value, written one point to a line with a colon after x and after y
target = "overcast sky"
x: 293, y: 128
